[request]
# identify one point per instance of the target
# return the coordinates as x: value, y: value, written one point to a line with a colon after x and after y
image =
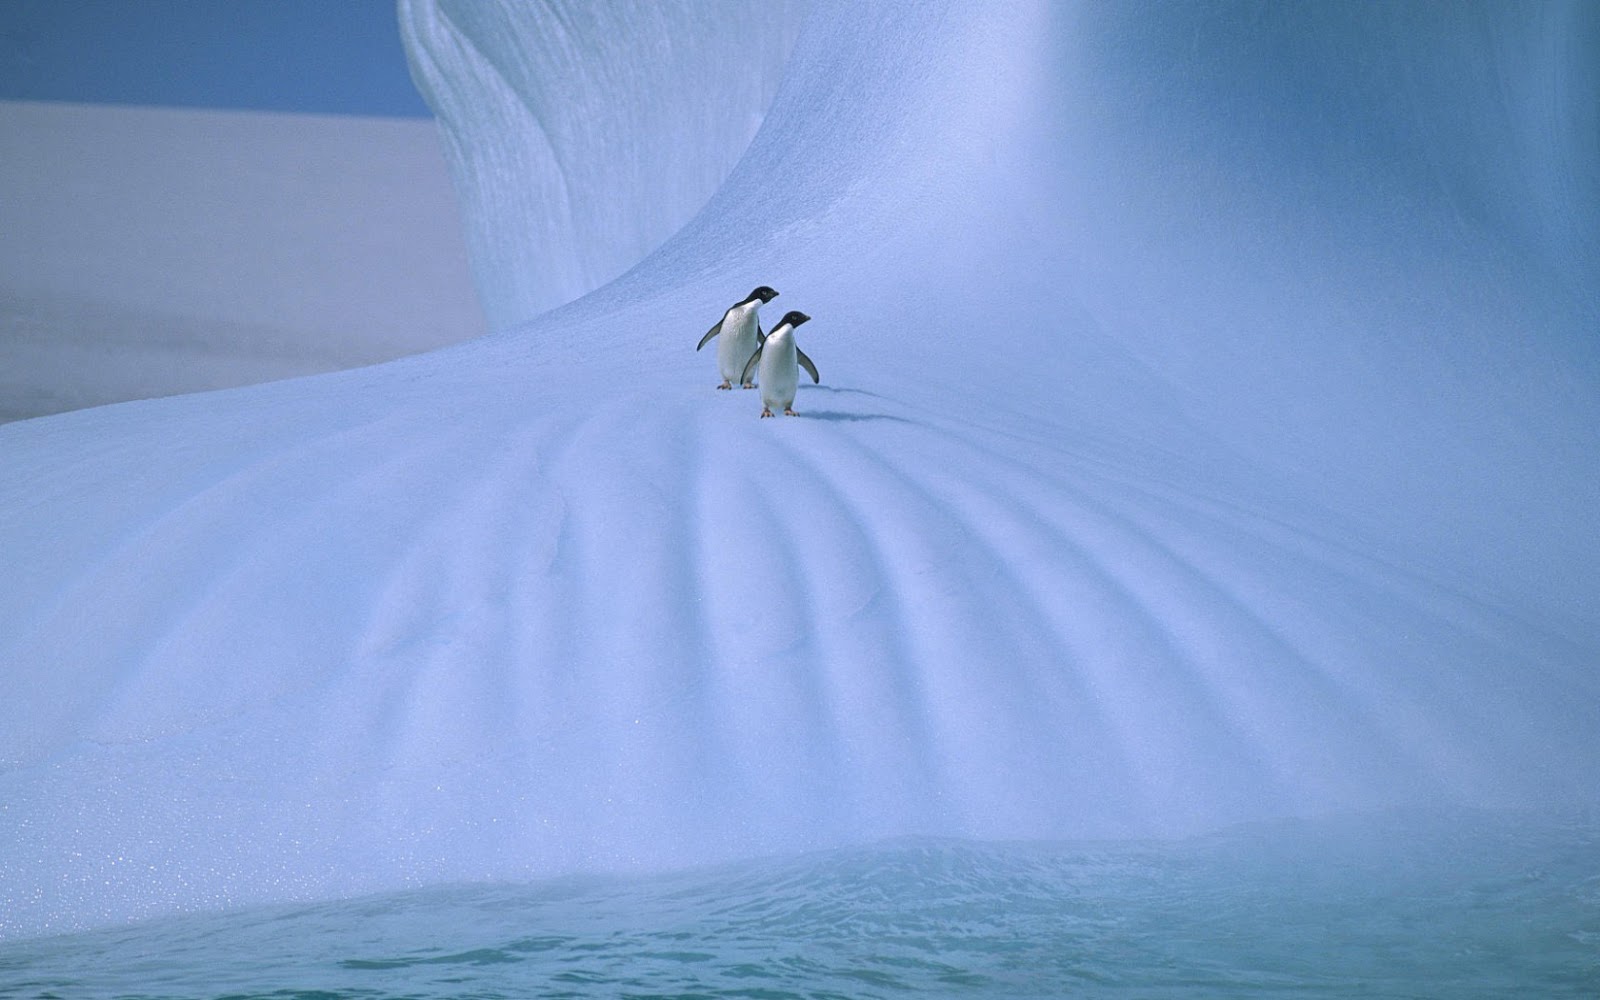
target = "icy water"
x: 1479, y: 906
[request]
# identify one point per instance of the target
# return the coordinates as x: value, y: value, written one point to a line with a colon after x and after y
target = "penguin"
x: 741, y: 334
x: 777, y: 357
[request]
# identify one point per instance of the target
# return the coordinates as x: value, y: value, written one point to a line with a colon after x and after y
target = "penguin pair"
x: 746, y: 350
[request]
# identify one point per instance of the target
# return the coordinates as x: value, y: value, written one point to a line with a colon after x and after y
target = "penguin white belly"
x: 737, y: 342
x: 780, y: 372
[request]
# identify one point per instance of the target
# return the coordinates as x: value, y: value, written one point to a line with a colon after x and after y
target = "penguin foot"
x: 765, y: 412
x: 748, y: 385
x: 789, y: 412
x: 725, y: 385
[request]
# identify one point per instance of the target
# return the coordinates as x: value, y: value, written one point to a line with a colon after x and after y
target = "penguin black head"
x: 793, y: 318
x: 763, y: 293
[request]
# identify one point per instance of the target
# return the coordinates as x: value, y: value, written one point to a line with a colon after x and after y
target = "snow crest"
x: 579, y: 135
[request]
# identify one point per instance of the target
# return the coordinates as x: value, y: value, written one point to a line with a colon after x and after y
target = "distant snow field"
x: 152, y: 251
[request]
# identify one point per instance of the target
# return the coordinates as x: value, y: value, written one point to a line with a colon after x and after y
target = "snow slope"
x: 151, y: 251
x: 1207, y: 432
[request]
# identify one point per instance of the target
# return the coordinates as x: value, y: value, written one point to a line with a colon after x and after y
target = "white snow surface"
x: 1208, y: 431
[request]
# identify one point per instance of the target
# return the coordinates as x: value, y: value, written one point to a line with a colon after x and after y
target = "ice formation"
x: 580, y: 136
x: 1208, y: 433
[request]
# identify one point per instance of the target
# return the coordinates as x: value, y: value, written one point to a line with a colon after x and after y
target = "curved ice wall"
x: 1209, y: 431
x: 1362, y: 238
x: 582, y: 135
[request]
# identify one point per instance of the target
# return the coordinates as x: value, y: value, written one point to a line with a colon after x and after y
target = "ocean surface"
x: 1458, y: 906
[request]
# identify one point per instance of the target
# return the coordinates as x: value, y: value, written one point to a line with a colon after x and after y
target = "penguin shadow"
x: 845, y: 416
x: 840, y: 389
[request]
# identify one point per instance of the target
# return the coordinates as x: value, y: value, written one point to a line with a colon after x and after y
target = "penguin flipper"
x: 709, y: 334
x: 805, y: 363
x: 748, y: 365
x: 761, y: 335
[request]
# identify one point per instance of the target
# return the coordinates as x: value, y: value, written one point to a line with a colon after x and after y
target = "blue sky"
x: 319, y: 56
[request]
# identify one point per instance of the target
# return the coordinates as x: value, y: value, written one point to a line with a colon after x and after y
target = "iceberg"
x: 1208, y: 432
